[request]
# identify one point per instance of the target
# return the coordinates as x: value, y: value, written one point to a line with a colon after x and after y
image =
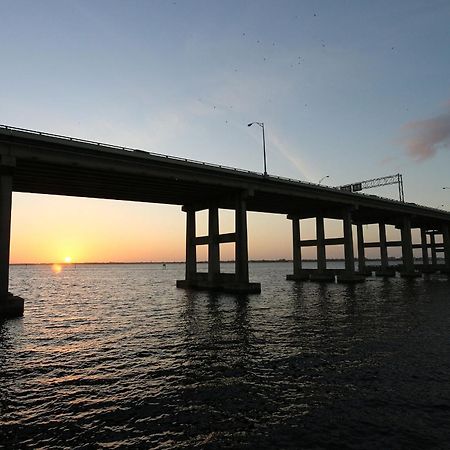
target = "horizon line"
x: 62, y: 263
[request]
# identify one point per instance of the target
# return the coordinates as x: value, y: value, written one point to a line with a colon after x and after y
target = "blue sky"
x: 349, y: 89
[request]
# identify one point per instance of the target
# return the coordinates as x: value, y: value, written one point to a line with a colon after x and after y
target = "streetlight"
x: 261, y: 124
x: 323, y: 178
x: 446, y: 188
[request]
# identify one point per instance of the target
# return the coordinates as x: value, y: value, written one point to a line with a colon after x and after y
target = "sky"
x: 352, y: 90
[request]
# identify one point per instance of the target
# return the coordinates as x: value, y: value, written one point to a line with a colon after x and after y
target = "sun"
x: 68, y: 259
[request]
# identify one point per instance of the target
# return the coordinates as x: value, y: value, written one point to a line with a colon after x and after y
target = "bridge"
x: 37, y: 162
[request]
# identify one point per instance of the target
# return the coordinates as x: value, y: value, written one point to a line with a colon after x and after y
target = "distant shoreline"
x: 183, y: 262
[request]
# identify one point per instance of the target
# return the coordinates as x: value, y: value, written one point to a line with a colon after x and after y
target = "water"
x: 115, y: 356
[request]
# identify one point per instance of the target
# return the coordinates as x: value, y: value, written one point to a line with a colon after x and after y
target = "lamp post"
x: 323, y: 178
x: 261, y: 124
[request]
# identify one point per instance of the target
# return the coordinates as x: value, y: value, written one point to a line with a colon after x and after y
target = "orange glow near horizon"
x: 63, y: 230
x: 56, y: 268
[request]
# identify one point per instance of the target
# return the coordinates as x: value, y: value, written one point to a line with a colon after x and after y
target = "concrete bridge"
x: 44, y: 163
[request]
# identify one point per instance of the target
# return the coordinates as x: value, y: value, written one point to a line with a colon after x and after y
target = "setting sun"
x: 68, y: 259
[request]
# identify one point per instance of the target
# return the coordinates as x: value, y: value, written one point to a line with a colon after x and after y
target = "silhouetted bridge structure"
x: 44, y: 163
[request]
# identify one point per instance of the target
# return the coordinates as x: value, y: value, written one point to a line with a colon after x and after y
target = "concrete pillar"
x: 213, y: 245
x: 348, y: 243
x: 241, y: 246
x: 349, y: 275
x: 321, y: 274
x: 383, y: 246
x: 361, y: 255
x: 191, y: 248
x: 321, y: 253
x: 433, y: 249
x: 446, y: 242
x: 296, y: 249
x: 10, y: 305
x: 384, y: 270
x: 407, y: 249
x: 5, y: 228
x: 423, y: 239
x: 299, y: 274
x: 214, y: 280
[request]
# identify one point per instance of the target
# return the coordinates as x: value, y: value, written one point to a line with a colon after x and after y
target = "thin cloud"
x: 426, y: 137
x: 292, y: 156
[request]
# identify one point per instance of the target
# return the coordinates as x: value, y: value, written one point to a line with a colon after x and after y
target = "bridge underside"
x: 73, y: 180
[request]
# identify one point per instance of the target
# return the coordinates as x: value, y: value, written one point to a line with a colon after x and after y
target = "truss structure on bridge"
x: 377, y: 182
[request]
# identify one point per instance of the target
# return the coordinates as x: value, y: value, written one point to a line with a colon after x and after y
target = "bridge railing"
x: 158, y: 155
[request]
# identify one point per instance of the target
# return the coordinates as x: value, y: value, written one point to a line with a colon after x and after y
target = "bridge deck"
x: 51, y: 164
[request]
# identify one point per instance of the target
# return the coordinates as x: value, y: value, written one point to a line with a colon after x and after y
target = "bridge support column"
x: 10, y: 305
x: 407, y: 250
x: 213, y: 245
x: 362, y: 268
x: 426, y: 268
x: 237, y: 282
x: 446, y: 242
x: 349, y: 276
x: 433, y: 249
x: 191, y: 248
x: 321, y: 273
x: 385, y: 270
x: 299, y: 274
x: 241, y: 246
x: 423, y: 241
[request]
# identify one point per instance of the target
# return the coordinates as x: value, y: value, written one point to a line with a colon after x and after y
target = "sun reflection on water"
x: 56, y: 268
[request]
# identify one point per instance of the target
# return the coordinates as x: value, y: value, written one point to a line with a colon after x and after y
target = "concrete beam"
x: 221, y: 238
x: 202, y: 240
x: 386, y: 244
x: 326, y: 241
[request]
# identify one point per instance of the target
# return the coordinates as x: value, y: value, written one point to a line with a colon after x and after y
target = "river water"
x: 115, y: 356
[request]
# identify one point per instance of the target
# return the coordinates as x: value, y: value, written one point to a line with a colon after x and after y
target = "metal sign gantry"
x: 377, y: 182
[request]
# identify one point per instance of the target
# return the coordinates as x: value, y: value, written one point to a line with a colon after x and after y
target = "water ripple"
x: 114, y: 356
